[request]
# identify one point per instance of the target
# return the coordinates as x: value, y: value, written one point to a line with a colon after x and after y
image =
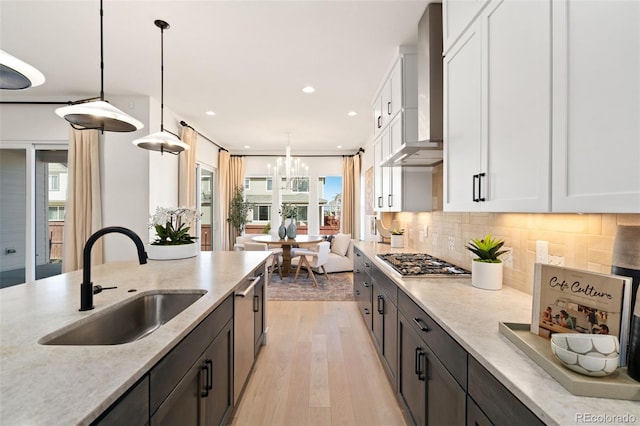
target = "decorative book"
x: 569, y: 300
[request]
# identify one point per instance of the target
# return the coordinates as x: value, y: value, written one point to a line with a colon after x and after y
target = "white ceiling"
x: 245, y: 60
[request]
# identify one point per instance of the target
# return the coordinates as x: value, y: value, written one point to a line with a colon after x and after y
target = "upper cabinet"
x: 396, y: 121
x: 542, y: 108
x: 457, y: 15
x: 497, y: 111
x: 596, y: 106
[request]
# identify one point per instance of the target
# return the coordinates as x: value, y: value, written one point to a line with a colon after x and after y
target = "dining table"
x: 287, y: 244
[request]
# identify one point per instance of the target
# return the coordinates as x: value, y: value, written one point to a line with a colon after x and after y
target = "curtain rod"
x: 36, y: 102
x: 360, y: 150
x: 221, y: 148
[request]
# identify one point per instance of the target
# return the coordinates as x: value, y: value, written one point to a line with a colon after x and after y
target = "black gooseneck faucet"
x: 86, y: 288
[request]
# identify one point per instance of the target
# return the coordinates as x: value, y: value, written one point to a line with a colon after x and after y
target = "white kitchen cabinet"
x: 497, y: 111
x: 457, y: 15
x: 596, y: 106
x: 399, y: 189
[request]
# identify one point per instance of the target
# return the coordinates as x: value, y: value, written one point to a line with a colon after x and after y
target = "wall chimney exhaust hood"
x: 427, y: 150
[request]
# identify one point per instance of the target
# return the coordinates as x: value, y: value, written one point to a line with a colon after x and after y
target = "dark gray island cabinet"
x: 436, y: 380
x: 194, y: 383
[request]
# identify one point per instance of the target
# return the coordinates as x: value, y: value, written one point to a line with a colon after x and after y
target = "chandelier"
x: 292, y: 174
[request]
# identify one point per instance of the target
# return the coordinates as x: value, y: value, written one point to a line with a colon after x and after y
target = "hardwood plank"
x: 319, y: 368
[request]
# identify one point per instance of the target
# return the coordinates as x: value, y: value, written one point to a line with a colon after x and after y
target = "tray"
x: 616, y: 386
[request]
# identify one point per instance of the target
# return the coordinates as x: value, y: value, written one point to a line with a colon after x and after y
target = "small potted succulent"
x: 486, y: 268
x: 173, y: 240
x: 397, y: 238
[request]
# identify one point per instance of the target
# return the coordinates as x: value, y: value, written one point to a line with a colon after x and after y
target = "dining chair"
x: 276, y: 253
x: 315, y: 258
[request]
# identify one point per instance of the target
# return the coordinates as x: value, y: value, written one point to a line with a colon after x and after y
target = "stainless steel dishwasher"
x: 244, y: 329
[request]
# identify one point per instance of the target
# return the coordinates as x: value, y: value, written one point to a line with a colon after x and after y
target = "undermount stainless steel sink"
x: 128, y: 322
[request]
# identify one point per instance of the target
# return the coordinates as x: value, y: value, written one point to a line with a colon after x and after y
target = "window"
x: 247, y: 183
x: 331, y: 190
x: 300, y: 184
x: 56, y: 212
x: 54, y: 182
x: 269, y: 184
x: 261, y: 213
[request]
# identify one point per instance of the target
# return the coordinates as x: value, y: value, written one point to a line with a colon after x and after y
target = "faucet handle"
x: 98, y: 288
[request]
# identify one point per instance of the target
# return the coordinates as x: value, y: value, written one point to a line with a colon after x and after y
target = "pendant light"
x: 162, y: 141
x: 96, y: 113
x: 16, y: 74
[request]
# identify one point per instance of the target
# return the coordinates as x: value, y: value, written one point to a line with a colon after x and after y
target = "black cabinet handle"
x: 365, y: 284
x: 480, y: 197
x: 205, y: 387
x: 475, y: 199
x: 381, y: 304
x: 210, y: 378
x: 379, y: 121
x: 390, y: 200
x: 419, y: 356
x: 256, y: 303
x: 422, y: 369
x: 366, y: 311
x: 367, y: 264
x: 388, y: 108
x: 379, y: 201
x: 357, y: 292
x: 421, y: 325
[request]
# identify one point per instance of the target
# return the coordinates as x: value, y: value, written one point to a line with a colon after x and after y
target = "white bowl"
x: 589, y: 354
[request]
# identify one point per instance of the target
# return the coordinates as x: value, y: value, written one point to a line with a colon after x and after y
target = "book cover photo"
x: 569, y: 300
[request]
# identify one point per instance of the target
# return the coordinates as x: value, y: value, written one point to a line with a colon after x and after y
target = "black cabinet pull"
x: 367, y: 264
x: 205, y: 387
x: 390, y: 200
x: 210, y: 378
x: 388, y: 108
x: 379, y: 121
x: 365, y: 284
x: 379, y: 201
x: 381, y: 304
x: 475, y: 199
x: 416, y: 361
x: 357, y: 292
x: 421, y: 325
x: 256, y: 303
x: 366, y: 311
x: 422, y: 369
x: 480, y: 197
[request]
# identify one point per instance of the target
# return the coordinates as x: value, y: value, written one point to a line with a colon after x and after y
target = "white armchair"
x: 239, y: 245
x: 276, y: 254
x: 315, y: 258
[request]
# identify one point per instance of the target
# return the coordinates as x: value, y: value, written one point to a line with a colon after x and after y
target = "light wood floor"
x: 319, y: 367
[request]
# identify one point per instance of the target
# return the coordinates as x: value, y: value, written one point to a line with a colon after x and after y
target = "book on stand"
x: 569, y: 300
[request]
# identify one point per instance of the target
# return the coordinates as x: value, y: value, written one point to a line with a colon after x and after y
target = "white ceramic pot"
x: 487, y: 276
x: 397, y: 241
x: 172, y: 252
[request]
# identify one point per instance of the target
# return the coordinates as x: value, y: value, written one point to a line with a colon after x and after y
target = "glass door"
x: 206, y: 203
x: 13, y: 216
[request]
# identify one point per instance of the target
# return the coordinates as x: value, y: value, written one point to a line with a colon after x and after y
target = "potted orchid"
x: 173, y: 240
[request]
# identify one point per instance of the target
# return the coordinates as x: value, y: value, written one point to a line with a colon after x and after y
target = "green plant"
x: 171, y: 226
x: 239, y: 211
x: 267, y: 228
x: 487, y: 249
x: 289, y: 211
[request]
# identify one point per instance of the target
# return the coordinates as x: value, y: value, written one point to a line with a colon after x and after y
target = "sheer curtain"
x: 350, y: 220
x: 84, y: 205
x: 230, y: 175
x: 187, y: 169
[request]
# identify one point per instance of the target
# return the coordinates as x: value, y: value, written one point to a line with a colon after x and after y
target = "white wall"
x: 32, y: 123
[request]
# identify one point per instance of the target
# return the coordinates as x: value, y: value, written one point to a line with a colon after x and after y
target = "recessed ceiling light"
x: 339, y: 146
x: 352, y: 113
x: 308, y: 89
x: 210, y: 113
x: 247, y: 146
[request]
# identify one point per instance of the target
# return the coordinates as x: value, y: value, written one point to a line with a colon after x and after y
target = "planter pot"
x: 172, y: 252
x: 397, y: 241
x: 487, y: 276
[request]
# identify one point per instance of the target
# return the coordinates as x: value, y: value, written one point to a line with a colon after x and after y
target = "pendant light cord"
x: 101, y: 54
x: 162, y: 78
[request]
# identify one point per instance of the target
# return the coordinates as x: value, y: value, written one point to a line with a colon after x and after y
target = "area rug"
x: 339, y: 287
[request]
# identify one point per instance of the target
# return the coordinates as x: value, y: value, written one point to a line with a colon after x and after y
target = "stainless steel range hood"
x: 427, y: 150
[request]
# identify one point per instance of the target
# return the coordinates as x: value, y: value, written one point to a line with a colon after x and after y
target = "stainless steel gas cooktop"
x: 420, y: 264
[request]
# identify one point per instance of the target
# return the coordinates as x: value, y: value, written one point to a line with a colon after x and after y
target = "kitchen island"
x: 471, y: 316
x: 42, y: 384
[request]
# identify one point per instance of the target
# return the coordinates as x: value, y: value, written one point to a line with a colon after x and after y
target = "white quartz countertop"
x: 471, y: 316
x: 64, y: 385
